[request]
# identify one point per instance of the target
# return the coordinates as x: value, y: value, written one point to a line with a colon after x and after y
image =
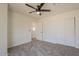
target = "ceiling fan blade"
x: 30, y: 6
x: 32, y: 11
x: 40, y: 6
x: 44, y: 10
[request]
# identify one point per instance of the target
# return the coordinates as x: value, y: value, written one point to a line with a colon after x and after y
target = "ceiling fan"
x: 39, y: 9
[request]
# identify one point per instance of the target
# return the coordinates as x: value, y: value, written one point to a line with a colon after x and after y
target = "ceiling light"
x: 38, y: 13
x: 34, y: 28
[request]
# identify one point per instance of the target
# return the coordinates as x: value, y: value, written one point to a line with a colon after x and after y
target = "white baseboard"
x: 13, y: 45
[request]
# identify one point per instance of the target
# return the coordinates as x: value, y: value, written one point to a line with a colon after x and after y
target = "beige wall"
x: 19, y: 29
x: 3, y: 28
x: 60, y: 28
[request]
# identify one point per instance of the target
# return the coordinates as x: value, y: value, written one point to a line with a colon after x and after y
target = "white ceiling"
x: 55, y: 8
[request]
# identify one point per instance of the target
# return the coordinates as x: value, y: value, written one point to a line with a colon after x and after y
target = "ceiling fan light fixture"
x: 38, y: 12
x: 39, y: 9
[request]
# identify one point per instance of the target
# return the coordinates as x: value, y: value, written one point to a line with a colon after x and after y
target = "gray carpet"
x: 42, y: 48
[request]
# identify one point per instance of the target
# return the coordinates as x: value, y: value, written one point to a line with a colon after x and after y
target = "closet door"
x: 69, y: 31
x: 77, y: 31
x: 50, y: 30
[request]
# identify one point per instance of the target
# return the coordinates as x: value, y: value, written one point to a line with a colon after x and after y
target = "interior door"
x: 69, y: 31
x: 39, y: 31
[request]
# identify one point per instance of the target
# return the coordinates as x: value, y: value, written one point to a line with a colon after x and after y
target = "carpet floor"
x: 42, y: 48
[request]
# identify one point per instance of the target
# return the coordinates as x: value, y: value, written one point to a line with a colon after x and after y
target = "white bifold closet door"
x: 69, y: 31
